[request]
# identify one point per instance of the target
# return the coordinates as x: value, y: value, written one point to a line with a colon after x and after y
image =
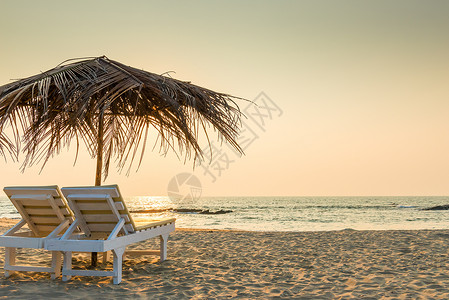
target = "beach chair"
x: 107, y: 225
x: 46, y: 213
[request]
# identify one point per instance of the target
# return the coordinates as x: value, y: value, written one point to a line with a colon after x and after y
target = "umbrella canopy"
x: 109, y: 107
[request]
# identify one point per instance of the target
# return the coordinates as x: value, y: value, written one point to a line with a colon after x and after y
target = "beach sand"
x: 222, y: 264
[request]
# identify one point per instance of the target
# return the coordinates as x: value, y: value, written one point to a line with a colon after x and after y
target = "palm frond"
x: 64, y: 104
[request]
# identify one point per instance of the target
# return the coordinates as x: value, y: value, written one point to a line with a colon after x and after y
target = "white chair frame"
x: 128, y: 232
x: 35, y: 237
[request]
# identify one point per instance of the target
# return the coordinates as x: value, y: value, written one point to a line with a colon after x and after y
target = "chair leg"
x: 117, y: 264
x: 10, y: 260
x: 56, y: 261
x: 67, y: 265
x: 163, y: 246
x: 105, y: 257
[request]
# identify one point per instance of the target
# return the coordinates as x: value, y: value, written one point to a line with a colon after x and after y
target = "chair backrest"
x: 42, y: 207
x: 98, y: 208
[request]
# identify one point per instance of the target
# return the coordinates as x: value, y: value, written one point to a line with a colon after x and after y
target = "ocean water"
x: 291, y: 213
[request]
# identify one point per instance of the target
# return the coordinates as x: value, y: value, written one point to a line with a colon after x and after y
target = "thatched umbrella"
x: 110, y: 107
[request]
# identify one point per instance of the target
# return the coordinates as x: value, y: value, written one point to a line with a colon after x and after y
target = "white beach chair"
x: 45, y: 211
x: 102, y: 215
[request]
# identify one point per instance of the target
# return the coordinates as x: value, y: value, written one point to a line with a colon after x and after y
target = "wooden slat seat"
x: 46, y: 213
x: 153, y: 223
x: 103, y: 217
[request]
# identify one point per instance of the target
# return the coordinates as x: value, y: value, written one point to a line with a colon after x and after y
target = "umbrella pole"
x: 94, y: 256
x: 99, y: 151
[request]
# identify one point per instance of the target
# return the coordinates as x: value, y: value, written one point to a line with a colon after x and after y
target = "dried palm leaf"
x: 110, y: 107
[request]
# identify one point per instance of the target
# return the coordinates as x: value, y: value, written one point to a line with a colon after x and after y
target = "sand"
x: 222, y: 264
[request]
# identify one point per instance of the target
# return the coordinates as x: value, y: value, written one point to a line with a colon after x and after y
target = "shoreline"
x: 4, y: 222
x: 217, y: 264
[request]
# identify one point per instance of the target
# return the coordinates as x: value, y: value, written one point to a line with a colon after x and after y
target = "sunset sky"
x: 360, y: 89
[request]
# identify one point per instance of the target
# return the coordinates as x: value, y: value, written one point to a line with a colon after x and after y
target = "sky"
x: 358, y: 90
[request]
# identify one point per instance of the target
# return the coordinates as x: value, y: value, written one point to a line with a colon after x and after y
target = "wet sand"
x: 222, y: 264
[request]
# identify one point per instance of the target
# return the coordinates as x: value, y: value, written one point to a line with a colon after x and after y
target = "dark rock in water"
x: 201, y: 211
x: 184, y: 210
x: 218, y: 212
x: 142, y: 211
x: 438, y: 207
x: 190, y: 210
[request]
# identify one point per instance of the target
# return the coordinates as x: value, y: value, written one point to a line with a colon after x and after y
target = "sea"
x: 288, y: 213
